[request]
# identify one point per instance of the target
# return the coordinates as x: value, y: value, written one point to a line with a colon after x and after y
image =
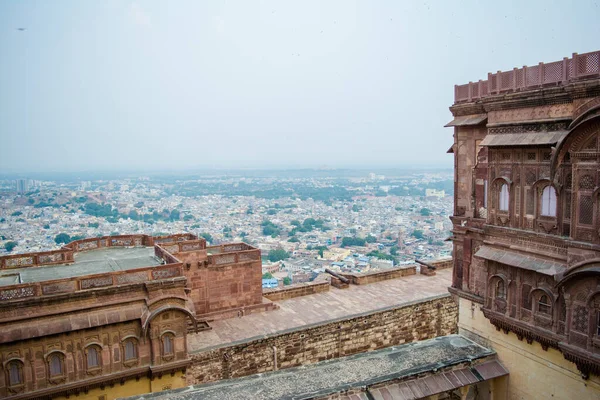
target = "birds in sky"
x: 21, y: 29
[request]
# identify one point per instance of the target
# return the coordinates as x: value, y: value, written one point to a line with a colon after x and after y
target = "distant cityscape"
x: 347, y: 222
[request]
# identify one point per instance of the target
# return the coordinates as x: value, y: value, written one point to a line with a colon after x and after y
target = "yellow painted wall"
x: 133, y: 387
x: 534, y: 373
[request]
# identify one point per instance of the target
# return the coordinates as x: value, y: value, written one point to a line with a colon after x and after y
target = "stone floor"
x: 90, y: 262
x: 321, y: 307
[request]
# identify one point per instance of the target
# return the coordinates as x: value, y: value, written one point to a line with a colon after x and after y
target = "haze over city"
x: 155, y: 85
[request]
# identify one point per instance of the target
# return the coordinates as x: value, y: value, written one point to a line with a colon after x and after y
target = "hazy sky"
x: 94, y: 85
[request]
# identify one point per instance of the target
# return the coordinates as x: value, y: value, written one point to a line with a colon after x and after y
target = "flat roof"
x: 85, y: 263
x: 321, y: 307
x: 341, y: 374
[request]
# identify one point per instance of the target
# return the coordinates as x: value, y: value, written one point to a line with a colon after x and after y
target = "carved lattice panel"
x: 530, y: 201
x: 525, y: 289
x: 530, y: 176
x: 553, y: 72
x: 586, y: 182
x: 580, y: 319
x: 586, y: 209
x: 569, y: 181
x: 588, y: 63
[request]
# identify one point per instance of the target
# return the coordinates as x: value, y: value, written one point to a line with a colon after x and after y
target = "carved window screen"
x: 56, y: 365
x: 549, y: 201
x: 485, y: 193
x: 130, y: 350
x: 530, y: 201
x: 525, y: 296
x: 503, y: 198
x: 544, y: 304
x: 15, y: 373
x: 167, y: 344
x: 500, y: 290
x: 586, y: 209
x: 93, y: 358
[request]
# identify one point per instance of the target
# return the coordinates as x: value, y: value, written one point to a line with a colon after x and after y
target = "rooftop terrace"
x: 580, y: 66
x: 322, y: 307
x: 85, y: 263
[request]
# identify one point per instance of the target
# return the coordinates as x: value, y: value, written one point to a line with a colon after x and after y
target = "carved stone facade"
x: 118, y: 333
x: 527, y: 216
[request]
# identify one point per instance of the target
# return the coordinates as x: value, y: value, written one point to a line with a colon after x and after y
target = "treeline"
x: 112, y: 214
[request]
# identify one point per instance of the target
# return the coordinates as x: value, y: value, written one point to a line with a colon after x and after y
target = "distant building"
x: 22, y: 185
x: 270, y: 283
x: 435, y: 193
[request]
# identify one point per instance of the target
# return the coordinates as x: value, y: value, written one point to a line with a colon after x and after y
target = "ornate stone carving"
x: 549, y: 127
x: 564, y: 110
x: 18, y: 293
x: 164, y: 273
x: 96, y: 282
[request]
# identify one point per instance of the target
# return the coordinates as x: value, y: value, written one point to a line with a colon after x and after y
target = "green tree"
x: 46, y: 226
x: 207, y: 236
x: 417, y: 234
x: 425, y: 212
x: 278, y: 255
x: 287, y: 281
x: 351, y: 241
x: 62, y: 238
x: 16, y: 214
x: 370, y: 239
x: 270, y: 229
x: 9, y: 246
x: 293, y: 239
x: 174, y: 215
x: 188, y: 217
x: 267, y: 275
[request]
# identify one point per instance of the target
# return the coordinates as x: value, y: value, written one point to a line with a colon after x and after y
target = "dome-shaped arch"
x: 160, y: 310
x: 580, y: 270
x: 574, y: 140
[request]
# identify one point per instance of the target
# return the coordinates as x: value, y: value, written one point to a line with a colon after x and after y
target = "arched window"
x: 167, y: 344
x: 544, y: 304
x: 503, y: 198
x: 130, y: 350
x: 55, y: 363
x: 93, y: 357
x: 500, y: 289
x: 549, y: 201
x: 15, y: 373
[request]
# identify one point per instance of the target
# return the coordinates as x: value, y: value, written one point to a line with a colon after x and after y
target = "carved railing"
x: 65, y: 255
x: 234, y: 257
x: 580, y: 66
x: 71, y: 285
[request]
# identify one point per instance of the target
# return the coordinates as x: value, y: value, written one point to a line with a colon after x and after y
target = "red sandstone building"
x: 111, y: 314
x: 527, y: 223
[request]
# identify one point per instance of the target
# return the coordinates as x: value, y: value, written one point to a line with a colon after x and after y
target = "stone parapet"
x: 406, y: 323
x: 296, y: 290
x: 382, y: 275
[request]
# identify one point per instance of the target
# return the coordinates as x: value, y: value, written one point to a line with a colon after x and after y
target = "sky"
x: 174, y: 85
